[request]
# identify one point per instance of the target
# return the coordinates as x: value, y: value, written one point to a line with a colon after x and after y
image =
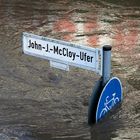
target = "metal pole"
x: 106, y: 63
x: 98, y: 88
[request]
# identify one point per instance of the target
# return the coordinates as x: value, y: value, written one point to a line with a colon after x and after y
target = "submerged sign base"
x: 104, y: 99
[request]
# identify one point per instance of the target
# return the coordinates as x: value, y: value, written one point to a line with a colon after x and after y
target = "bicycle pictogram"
x: 108, y: 105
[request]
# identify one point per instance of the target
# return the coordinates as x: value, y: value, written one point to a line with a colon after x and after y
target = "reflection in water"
x: 128, y: 3
x: 107, y: 127
x: 41, y: 103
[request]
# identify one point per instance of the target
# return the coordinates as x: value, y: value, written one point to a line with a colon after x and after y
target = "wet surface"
x: 38, y: 102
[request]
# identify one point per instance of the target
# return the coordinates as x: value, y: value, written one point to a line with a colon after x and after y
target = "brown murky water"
x: 40, y: 103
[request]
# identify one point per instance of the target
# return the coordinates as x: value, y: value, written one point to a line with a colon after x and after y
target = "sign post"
x: 106, y: 93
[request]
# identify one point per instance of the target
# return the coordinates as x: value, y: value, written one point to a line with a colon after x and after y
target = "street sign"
x: 106, y: 94
x: 111, y: 95
x: 62, y: 54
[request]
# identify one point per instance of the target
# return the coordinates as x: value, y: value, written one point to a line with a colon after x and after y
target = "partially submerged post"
x: 107, y: 92
x: 106, y: 72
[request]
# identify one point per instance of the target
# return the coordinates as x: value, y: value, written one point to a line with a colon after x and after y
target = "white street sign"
x: 66, y: 53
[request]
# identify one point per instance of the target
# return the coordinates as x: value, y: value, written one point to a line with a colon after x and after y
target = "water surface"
x: 38, y: 102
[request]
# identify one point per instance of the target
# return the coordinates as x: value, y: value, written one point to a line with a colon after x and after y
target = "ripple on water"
x: 41, y: 103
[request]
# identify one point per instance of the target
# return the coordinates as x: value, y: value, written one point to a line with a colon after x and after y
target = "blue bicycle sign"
x: 110, y: 96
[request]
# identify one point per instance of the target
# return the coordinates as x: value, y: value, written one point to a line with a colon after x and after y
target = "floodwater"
x: 42, y: 103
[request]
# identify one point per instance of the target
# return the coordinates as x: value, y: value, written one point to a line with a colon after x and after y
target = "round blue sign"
x: 110, y: 96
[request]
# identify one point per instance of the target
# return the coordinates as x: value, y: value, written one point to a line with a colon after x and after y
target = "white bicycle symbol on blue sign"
x: 109, y: 104
x: 111, y: 95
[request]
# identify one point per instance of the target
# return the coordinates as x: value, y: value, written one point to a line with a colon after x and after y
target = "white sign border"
x: 94, y: 50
